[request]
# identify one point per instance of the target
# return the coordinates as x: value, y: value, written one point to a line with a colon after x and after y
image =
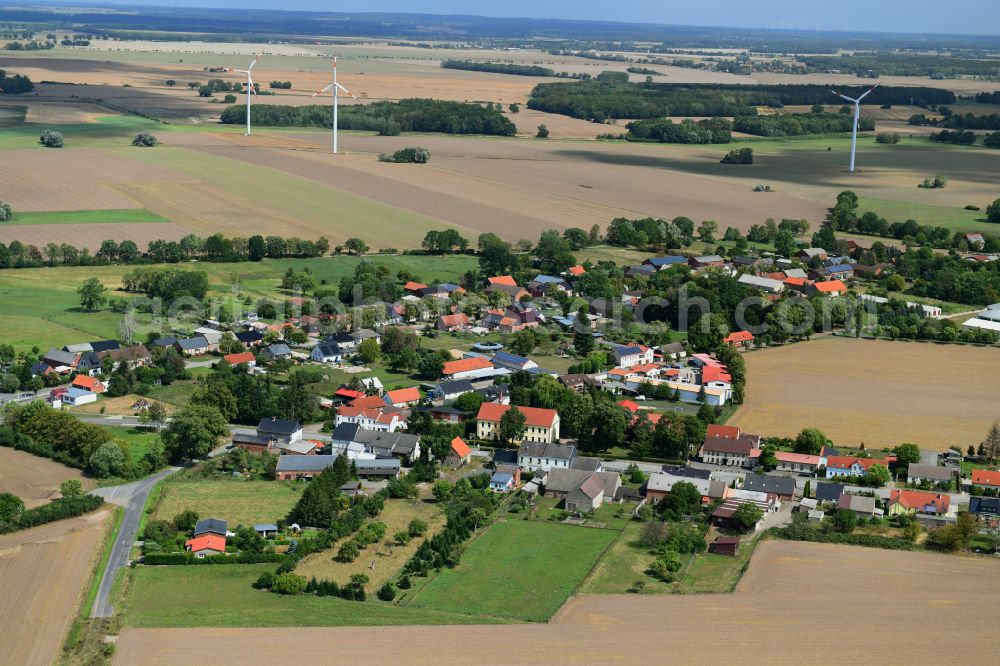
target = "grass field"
x: 138, y: 439
x: 239, y: 502
x: 388, y: 561
x: 522, y: 570
x: 222, y: 596
x: 955, y: 218
x: 886, y: 392
x: 126, y: 215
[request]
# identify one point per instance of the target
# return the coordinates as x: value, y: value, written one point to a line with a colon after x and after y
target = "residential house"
x: 984, y: 478
x: 453, y: 322
x: 542, y: 284
x: 739, y: 339
x: 533, y: 456
x: 502, y: 482
x: 641, y: 270
x: 467, y: 368
x: 163, y: 343
x: 809, y: 253
x: 729, y: 451
x: 828, y: 492
x: 74, y: 397
x: 61, y: 361
x: 206, y: 545
x: 578, y: 383
x: 723, y: 514
x: 327, y: 352
x: 764, y: 284
x: 412, y: 287
x: 275, y: 352
x: 587, y: 464
x: 917, y: 473
x: 862, y: 505
x: 576, y: 271
x: 514, y: 292
x: 915, y: 501
x: 706, y: 261
x: 586, y: 497
x: 214, y: 526
x: 382, y: 444
x: 659, y: 263
x: 976, y: 241
x: 800, y: 463
x: 279, y: 431
x: 674, y: 351
x: 294, y: 468
x: 832, y: 288
x: 985, y: 508
x: 343, y: 339
x: 626, y: 357
x: 134, y: 356
x: 838, y: 272
x: 404, y: 397
x: 243, y: 358
x: 196, y: 346
x: 838, y: 466
x: 540, y: 425
x: 250, y: 338
x: 782, y: 488
x: 660, y: 484
x: 371, y: 412
x: 88, y: 383
x: 460, y: 451
x: 753, y: 263
x: 507, y: 280
x: 513, y: 362
x: 870, y: 270
x: 382, y: 468
x: 363, y: 334
x: 449, y: 391
x: 581, y: 490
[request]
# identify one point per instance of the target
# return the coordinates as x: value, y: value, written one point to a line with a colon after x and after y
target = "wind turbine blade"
x: 843, y: 97
x: 259, y: 55
x: 868, y: 92
x: 346, y: 90
x: 320, y: 92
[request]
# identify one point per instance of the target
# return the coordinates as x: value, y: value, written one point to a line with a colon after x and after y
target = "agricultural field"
x: 33, y: 478
x: 45, y: 571
x: 904, y: 589
x: 522, y: 570
x: 237, y: 501
x: 387, y: 561
x: 873, y: 393
x: 223, y: 596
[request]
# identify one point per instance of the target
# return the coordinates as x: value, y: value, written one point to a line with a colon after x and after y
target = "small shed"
x: 266, y: 530
x: 726, y: 545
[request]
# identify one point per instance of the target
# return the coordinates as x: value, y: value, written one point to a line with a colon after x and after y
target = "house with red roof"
x: 837, y: 466
x: 371, y: 413
x: 715, y: 430
x: 797, y: 462
x: 453, y: 322
x: 501, y: 279
x: 412, y: 287
x: 730, y: 451
x: 576, y: 271
x: 466, y: 367
x: 540, y: 425
x: 985, y: 478
x: 88, y: 383
x: 404, y: 397
x: 739, y: 339
x: 915, y: 501
x: 461, y: 451
x: 206, y: 545
x: 832, y: 288
x: 244, y: 358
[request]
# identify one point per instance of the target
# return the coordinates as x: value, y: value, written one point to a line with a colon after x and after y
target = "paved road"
x: 133, y: 497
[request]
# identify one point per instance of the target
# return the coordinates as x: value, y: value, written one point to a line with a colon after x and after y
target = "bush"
x: 738, y: 156
x: 144, y: 140
x: 417, y: 527
x: 51, y: 139
x: 6, y: 212
x: 289, y: 583
x: 407, y: 156
x: 186, y: 520
x: 887, y: 137
x: 71, y: 488
x: 543, y: 132
x: 11, y: 507
x: 348, y: 552
x: 806, y: 533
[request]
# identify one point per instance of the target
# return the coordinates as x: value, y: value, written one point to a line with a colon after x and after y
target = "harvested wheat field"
x: 32, y: 478
x: 955, y: 596
x: 45, y: 571
x: 881, y: 393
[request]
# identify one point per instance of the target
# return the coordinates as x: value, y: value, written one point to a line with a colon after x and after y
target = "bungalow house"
x: 802, y: 463
x: 706, y: 260
x: 277, y: 351
x: 327, y: 352
x: 196, y: 346
x: 914, y: 501
x: 659, y: 263
x: 540, y: 425
x: 983, y: 478
x: 343, y: 339
x: 250, y: 338
x: 501, y: 279
x: 404, y: 397
x: 467, y: 368
x: 211, y: 526
x: 832, y: 288
x: 917, y: 473
x: 576, y: 271
x: 729, y: 451
x: 243, y: 358
x: 782, y: 488
x: 739, y: 339
x: 838, y: 466
x: 206, y: 545
x: 453, y: 322
x: 862, y: 505
x: 513, y: 361
x: 533, y: 456
x: 450, y: 390
x: 502, y: 482
x: 88, y: 383
x: 626, y: 357
x: 363, y: 334
x: 460, y: 451
x: 74, y: 397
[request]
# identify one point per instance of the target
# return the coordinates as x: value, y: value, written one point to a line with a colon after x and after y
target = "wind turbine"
x: 336, y: 87
x: 857, y: 118
x: 250, y: 88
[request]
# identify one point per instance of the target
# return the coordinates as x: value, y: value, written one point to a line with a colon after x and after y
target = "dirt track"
x: 35, y: 480
x: 871, y: 603
x: 881, y: 393
x: 43, y: 572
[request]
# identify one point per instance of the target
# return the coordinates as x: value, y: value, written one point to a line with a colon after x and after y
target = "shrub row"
x: 189, y: 558
x: 795, y: 533
x: 67, y: 507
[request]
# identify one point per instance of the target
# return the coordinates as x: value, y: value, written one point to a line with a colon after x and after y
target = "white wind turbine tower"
x: 250, y: 88
x: 857, y: 118
x: 336, y: 87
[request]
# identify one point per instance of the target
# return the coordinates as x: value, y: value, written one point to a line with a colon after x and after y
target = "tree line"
x: 498, y: 68
x: 903, y: 64
x: 408, y: 115
x: 17, y: 84
x: 607, y: 97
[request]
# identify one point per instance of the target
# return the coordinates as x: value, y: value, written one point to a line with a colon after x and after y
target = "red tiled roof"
x: 206, y: 541
x: 984, y: 477
x: 576, y: 270
x: 413, y: 286
x: 460, y: 448
x: 801, y: 458
x: 86, y: 382
x: 914, y: 499
x: 345, y: 392
x: 798, y: 282
x: 629, y: 405
x: 502, y: 279
x: 713, y: 430
x: 466, y: 364
x: 846, y: 462
x: 453, y: 320
x: 400, y: 396
x: 715, y: 373
x: 830, y: 286
x: 533, y: 416
x: 739, y: 336
x: 368, y: 402
x: 236, y: 359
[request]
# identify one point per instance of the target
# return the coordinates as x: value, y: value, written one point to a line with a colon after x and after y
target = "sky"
x: 931, y: 16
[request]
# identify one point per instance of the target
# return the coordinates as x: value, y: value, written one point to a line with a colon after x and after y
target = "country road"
x: 133, y: 497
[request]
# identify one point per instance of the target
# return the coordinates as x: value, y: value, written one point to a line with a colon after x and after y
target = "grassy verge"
x: 127, y: 215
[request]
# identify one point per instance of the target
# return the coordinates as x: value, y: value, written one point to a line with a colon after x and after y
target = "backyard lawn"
x: 518, y: 569
x: 234, y: 500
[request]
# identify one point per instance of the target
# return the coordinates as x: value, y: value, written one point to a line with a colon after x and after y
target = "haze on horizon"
x: 978, y: 17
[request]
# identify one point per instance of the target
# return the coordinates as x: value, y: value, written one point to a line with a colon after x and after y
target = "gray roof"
x: 672, y: 348
x: 709, y: 259
x: 387, y: 443
x: 279, y: 349
x: 278, y: 426
x: 761, y: 282
x: 197, y: 342
x: 586, y: 463
x: 265, y: 527
x: 381, y: 464
x: 210, y: 525
x: 304, y: 463
x: 857, y: 503
x: 931, y: 472
x: 545, y: 450
x: 828, y: 492
x: 345, y: 432
x: 778, y: 485
x: 456, y: 386
x: 60, y: 357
